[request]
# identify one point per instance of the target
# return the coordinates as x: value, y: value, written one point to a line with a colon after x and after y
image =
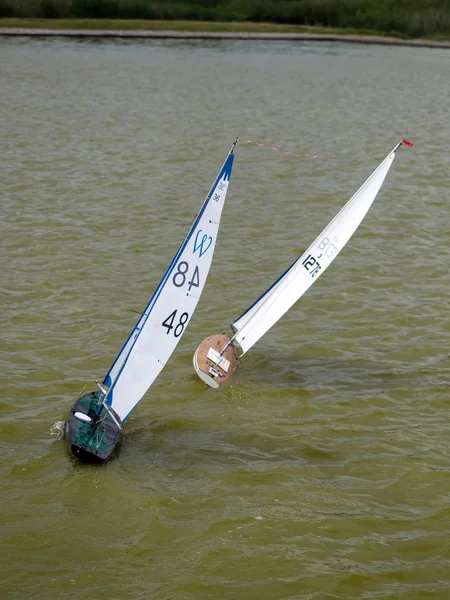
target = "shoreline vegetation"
x: 401, y: 22
x: 399, y: 19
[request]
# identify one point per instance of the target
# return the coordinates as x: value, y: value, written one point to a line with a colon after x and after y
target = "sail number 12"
x: 311, y: 265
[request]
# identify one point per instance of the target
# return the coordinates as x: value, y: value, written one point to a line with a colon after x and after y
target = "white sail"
x: 279, y: 298
x: 167, y: 315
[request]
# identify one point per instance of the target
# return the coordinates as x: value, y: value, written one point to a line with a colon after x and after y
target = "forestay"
x: 272, y: 305
x: 167, y: 315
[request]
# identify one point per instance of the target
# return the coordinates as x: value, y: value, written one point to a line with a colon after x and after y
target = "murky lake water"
x: 323, y: 471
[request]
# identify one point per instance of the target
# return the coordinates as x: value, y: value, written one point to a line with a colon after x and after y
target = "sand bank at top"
x: 223, y: 35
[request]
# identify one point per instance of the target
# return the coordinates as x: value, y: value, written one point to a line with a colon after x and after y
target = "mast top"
x: 403, y: 142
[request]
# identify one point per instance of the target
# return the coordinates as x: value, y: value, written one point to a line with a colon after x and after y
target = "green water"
x: 322, y: 472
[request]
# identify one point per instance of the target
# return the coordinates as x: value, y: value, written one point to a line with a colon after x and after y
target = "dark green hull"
x: 96, y: 440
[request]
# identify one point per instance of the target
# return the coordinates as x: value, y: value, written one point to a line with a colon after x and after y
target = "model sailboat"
x: 96, y: 419
x: 217, y: 357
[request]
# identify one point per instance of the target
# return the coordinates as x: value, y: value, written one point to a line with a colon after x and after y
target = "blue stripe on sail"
x: 225, y: 173
x: 267, y: 291
x: 336, y: 216
x: 107, y: 381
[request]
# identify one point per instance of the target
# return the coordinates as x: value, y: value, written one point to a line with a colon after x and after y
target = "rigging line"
x: 294, y: 154
x: 280, y: 286
x: 81, y: 393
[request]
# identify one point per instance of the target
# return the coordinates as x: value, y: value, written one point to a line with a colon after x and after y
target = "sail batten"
x: 305, y: 270
x: 167, y: 314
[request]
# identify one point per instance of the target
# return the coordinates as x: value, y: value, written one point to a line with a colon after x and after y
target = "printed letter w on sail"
x: 203, y: 244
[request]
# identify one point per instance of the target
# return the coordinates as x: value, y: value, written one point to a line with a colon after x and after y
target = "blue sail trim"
x: 266, y: 292
x: 224, y: 173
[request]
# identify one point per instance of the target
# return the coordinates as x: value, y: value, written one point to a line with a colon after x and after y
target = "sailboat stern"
x: 92, y: 438
x: 215, y: 360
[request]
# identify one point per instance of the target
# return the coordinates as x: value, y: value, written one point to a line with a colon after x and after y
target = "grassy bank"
x: 207, y: 26
x: 407, y: 18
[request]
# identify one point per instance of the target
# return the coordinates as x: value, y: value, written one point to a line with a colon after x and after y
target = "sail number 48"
x: 179, y: 278
x: 179, y: 327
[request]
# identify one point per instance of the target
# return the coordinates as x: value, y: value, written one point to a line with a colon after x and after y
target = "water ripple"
x: 321, y: 471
